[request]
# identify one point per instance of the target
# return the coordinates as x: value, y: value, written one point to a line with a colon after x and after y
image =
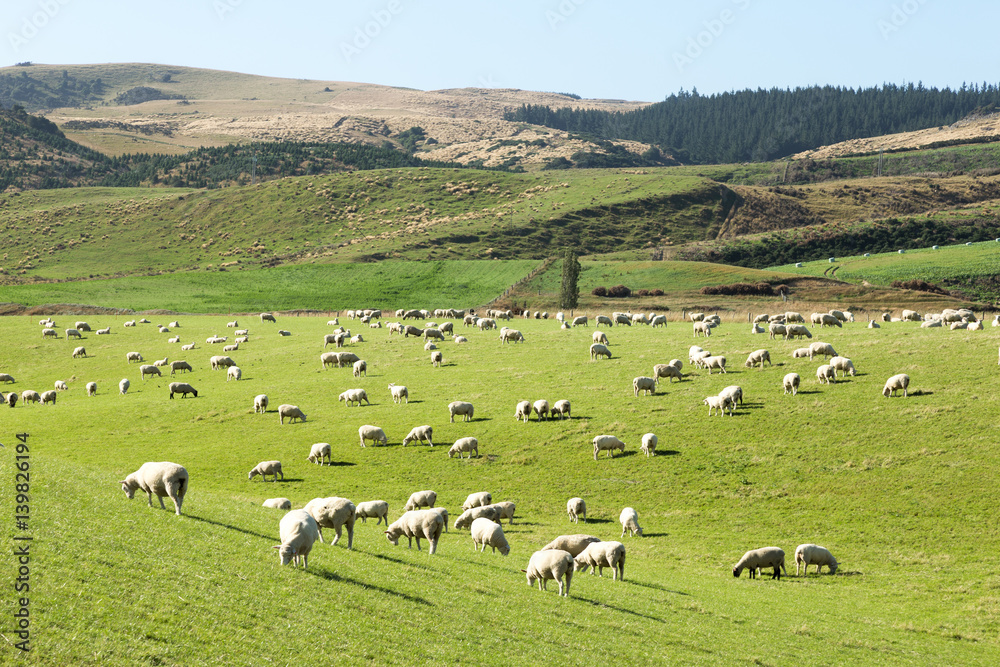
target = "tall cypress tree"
x: 569, y: 296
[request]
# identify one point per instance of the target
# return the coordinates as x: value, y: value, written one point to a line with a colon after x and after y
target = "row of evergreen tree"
x: 760, y: 125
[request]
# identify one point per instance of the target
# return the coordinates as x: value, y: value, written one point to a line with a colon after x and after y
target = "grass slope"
x: 899, y: 489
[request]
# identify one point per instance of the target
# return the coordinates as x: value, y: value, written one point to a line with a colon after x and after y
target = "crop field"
x: 901, y: 490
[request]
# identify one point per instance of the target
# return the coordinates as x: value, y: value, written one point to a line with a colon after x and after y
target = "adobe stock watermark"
x: 224, y: 7
x: 561, y: 13
x: 704, y: 39
x: 363, y: 35
x: 33, y: 24
x: 900, y: 16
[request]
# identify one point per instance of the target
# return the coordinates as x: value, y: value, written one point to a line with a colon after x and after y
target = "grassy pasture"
x: 901, y: 490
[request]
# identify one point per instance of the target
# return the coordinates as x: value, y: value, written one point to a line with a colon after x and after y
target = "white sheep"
x: 462, y: 409
x: 6, y: 377
x: 277, y: 503
x: 522, y: 410
x: 796, y: 331
x: 658, y: 321
x: 165, y: 479
x: 182, y: 388
x: 189, y: 346
x: 73, y: 333
x: 550, y: 564
x: 148, y: 369
x: 123, y: 386
x: 48, y: 397
x: 132, y: 356
x: 600, y: 337
x: 794, y: 317
x: 561, y: 408
x: 599, y: 555
x: 507, y: 509
x: 576, y: 508
x: 130, y: 323
x: 821, y: 348
x: 844, y: 365
x: 399, y: 393
x: 357, y: 339
x: 812, y: 554
x: 791, y: 383
x: 265, y: 468
x: 291, y: 411
x: 461, y: 339
x: 463, y: 445
x: 801, y: 353
x: 333, y: 512
x: 599, y: 350
x: 478, y: 499
x: 234, y: 323
x: 219, y: 362
x: 895, y: 383
x: 417, y: 524
x: 60, y: 385
x: 776, y: 329
x: 260, y: 403
x: 91, y: 389
x: 50, y: 333
x: 82, y: 326
x: 714, y: 362
x: 298, y: 532
x: 488, y: 534
x: 437, y: 358
x: 580, y: 321
x: 373, y: 433
x: 647, y: 385
x: 629, y: 520
x: 758, y: 357
x: 609, y: 443
x: 702, y: 328
x: 179, y: 365
x: 318, y: 452
x: 360, y: 366
x: 103, y: 332
x: 352, y: 396
x: 825, y: 373
x: 373, y: 509
x: 234, y: 373
x: 605, y: 320
x: 11, y: 399
x: 79, y: 352
x: 418, y: 434
x: 757, y: 329
x: 574, y: 545
x: 757, y: 559
x: 231, y: 348
x: 541, y: 408
x: 648, y: 446
x: 420, y: 499
x: 719, y: 403
x: 872, y: 324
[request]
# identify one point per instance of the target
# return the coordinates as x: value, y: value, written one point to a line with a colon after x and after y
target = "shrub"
x: 918, y: 285
x: 740, y: 289
x: 620, y: 292
x: 642, y: 292
x: 599, y: 291
x: 657, y: 292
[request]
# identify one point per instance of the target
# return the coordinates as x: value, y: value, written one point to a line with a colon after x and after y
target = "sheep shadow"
x: 920, y: 392
x: 269, y: 538
x: 806, y: 393
x: 645, y: 535
x: 333, y: 576
x: 400, y: 561
x: 338, y: 464
x: 588, y: 521
x: 666, y: 452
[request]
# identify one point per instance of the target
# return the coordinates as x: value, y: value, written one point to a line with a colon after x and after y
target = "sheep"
x: 132, y: 356
x: 825, y: 373
x: 522, y: 409
x: 461, y: 408
x: 758, y: 357
x: 234, y: 373
x: 910, y: 316
x: 695, y: 353
x: 812, y: 554
x: 174, y: 324
x: 445, y: 328
x: 550, y: 564
x: 373, y: 433
x: 800, y: 353
x: 463, y: 445
x: 478, y: 499
x: 696, y: 317
x: 298, y: 532
x: 629, y: 520
x: 91, y: 389
x: 701, y: 328
x: 719, y: 403
x: 103, y: 332
x: 791, y: 383
x: 357, y: 339
x: 608, y: 442
x: 821, y: 348
x: 840, y: 315
x: 231, y: 348
x: 182, y: 388
x: 347, y: 359
x: 291, y: 411
x: 60, y: 385
x: 649, y: 444
x: 277, y: 503
x: 598, y: 350
x: 580, y: 321
x: 331, y: 339
x: 796, y: 331
x: 318, y: 452
x: 329, y: 359
x: 561, y: 408
x: 373, y: 509
x: 49, y: 333
x: 11, y: 399
x: 233, y: 324
x: 428, y: 346
x: 734, y: 392
x: 826, y: 320
x: 163, y: 329
x: 73, y: 333
x: 79, y: 352
x: 506, y: 509
x: 872, y: 324
x: 418, y: 434
x: 189, y: 346
x: 714, y: 362
x: 218, y: 362
x: 267, y: 317
x: 6, y: 377
x: 354, y: 395
x: 148, y: 369
x: 643, y: 384
x: 600, y: 337
x: 417, y: 524
x: 360, y: 366
x: 179, y: 365
x: 541, y: 408
x: 575, y: 508
x: 757, y: 329
x: 82, y: 326
x: 843, y: 364
x: 794, y: 317
x: 975, y: 326
x: 757, y: 559
x: 486, y: 533
x: 260, y: 403
x: 130, y: 323
x: 486, y: 323
x: 333, y: 512
x: 605, y: 320
x: 420, y: 499
x: 775, y: 329
x: 48, y: 397
x: 282, y: 332
x: 896, y: 382
x: 460, y: 339
x: 175, y: 339
x: 489, y: 512
x: 511, y: 335
x: 658, y: 321
x: 265, y: 468
x: 215, y: 340
x: 958, y: 325
x: 123, y: 386
x: 399, y: 393
x: 165, y: 479
x: 599, y: 555
x: 437, y: 358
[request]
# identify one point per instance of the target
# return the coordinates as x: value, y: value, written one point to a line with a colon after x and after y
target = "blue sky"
x: 637, y: 50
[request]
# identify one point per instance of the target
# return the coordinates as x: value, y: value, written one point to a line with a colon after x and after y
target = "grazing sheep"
x: 373, y: 509
x: 701, y: 328
x: 758, y: 357
x: 605, y: 320
x: 267, y: 317
x: 522, y: 410
x: 658, y: 321
x: 11, y: 399
x: 260, y: 403
x: 600, y: 337
x: 649, y: 444
x: 461, y: 339
x: 432, y: 332
x: 580, y: 321
x: 420, y: 499
x: 776, y: 329
x: 461, y: 408
x: 575, y: 508
x: 714, y: 362
x: 418, y: 434
x: 791, y: 383
x: 599, y: 555
x: 478, y: 499
x: 821, y: 348
x: 812, y: 554
x: 182, y: 388
x: 82, y: 326
x: 165, y: 479
x: 895, y: 383
x: 825, y: 373
x: 234, y: 373
x: 399, y: 393
x: 486, y: 533
x: 511, y: 335
x: 437, y: 358
x: 490, y: 512
x: 757, y: 559
x: 843, y: 364
x: 179, y: 365
x: 91, y: 389
x: 360, y: 366
x: 463, y: 445
x: 132, y: 356
x: 354, y: 395
x: 417, y: 524
x: 609, y: 443
x: 599, y: 350
x: 6, y: 377
x: 561, y: 408
x: 373, y: 433
x: 290, y: 411
x: 629, y: 520
x: 219, y: 362
x: 801, y: 353
x: 148, y: 369
x: 329, y: 359
x: 73, y: 333
x: 719, y: 403
x: 123, y: 386
x: 550, y: 564
x: 796, y: 331
x: 507, y: 509
x: 60, y: 385
x: 318, y: 452
x: 842, y: 316
x: 794, y: 317
x: 48, y: 397
x: 347, y: 359
x: 541, y: 408
x: 79, y: 352
x: 647, y: 385
x: 733, y: 392
x: 265, y: 468
x: 278, y: 503
x: 333, y: 512
x: 298, y: 532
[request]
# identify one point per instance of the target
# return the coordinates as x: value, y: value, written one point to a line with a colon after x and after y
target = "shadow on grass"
x: 338, y: 464
x: 918, y: 392
x: 655, y: 535
x: 605, y: 605
x: 667, y: 452
x: 333, y: 576
x: 806, y: 393
x: 269, y: 538
x: 400, y: 561
x: 590, y: 521
x: 656, y: 587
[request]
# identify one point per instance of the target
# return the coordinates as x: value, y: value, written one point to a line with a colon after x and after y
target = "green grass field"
x: 901, y: 491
